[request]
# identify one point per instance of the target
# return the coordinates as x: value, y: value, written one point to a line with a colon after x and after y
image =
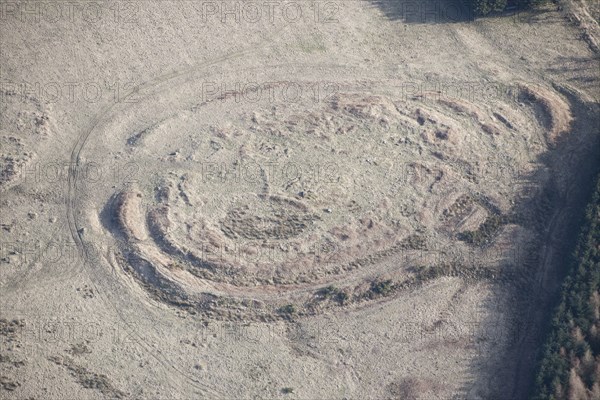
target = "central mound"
x: 277, y: 197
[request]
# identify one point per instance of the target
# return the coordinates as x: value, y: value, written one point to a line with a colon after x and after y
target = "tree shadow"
x: 425, y: 11
x: 577, y: 69
x: 456, y: 11
x: 574, y: 164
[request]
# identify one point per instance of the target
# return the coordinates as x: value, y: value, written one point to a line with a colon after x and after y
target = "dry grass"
x: 556, y: 113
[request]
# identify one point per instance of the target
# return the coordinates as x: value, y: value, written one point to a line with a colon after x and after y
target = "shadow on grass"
x: 555, y: 212
x: 455, y: 11
x: 425, y: 11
